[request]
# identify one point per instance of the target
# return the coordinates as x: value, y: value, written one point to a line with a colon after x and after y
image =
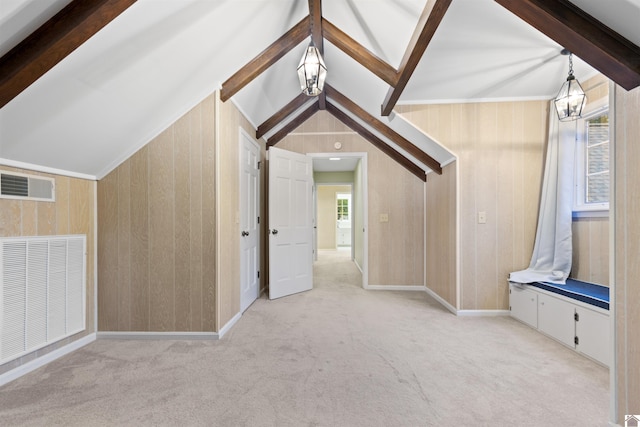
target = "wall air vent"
x: 29, y: 187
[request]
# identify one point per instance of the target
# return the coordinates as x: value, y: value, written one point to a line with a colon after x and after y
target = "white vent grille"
x: 42, y: 296
x: 20, y: 186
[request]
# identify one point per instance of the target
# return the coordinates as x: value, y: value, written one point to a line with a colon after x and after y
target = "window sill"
x: 601, y: 213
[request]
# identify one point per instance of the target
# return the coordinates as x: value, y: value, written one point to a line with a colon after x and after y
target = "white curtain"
x: 551, y: 259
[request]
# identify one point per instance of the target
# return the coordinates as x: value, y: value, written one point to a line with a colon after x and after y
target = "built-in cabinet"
x: 578, y: 325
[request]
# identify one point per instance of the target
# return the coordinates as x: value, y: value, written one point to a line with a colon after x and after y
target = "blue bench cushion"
x: 589, y: 293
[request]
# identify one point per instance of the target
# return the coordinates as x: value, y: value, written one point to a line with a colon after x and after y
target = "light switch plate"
x: 482, y: 217
x: 384, y: 217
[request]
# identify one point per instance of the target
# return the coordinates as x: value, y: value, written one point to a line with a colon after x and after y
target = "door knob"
x: 245, y: 233
x: 274, y: 231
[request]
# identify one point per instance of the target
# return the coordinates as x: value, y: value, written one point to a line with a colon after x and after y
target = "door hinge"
x: 576, y: 340
x: 259, y: 165
x: 509, y: 308
x: 576, y: 317
x: 258, y: 220
x: 258, y: 274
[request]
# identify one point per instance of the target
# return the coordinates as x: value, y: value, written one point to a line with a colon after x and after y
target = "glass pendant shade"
x: 312, y: 72
x: 571, y: 99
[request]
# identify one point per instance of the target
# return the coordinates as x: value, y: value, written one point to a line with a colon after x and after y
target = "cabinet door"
x: 592, y: 330
x: 523, y: 304
x: 556, y: 319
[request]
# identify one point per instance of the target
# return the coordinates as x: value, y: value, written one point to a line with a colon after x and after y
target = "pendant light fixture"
x: 312, y: 71
x: 571, y: 99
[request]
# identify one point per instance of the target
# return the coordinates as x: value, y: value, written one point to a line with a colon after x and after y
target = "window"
x: 592, y: 162
x: 343, y: 209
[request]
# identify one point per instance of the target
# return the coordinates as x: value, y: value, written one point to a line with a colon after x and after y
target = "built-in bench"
x: 589, y: 293
x: 576, y: 314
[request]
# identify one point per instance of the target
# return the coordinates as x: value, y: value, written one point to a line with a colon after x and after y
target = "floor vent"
x: 31, y: 187
x: 42, y: 297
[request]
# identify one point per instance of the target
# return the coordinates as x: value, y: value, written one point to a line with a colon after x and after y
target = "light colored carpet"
x: 334, y: 356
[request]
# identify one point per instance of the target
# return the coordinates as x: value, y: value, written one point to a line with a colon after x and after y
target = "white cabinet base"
x: 578, y: 325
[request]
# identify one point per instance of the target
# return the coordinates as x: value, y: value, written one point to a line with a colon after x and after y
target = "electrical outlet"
x: 384, y: 217
x: 482, y: 217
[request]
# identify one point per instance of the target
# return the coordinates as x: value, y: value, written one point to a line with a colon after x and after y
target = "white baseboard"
x: 419, y: 288
x: 483, y: 313
x: 47, y: 358
x: 358, y: 265
x: 441, y: 300
x: 158, y: 335
x: 229, y: 325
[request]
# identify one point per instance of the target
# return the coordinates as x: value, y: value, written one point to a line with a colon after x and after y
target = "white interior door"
x: 290, y: 223
x: 249, y: 222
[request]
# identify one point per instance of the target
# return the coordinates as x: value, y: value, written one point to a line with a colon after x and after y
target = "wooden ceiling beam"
x: 54, y: 41
x: 591, y: 40
x: 427, y: 25
x: 297, y: 121
x: 281, y: 114
x: 385, y: 130
x: 377, y: 142
x: 360, y: 53
x: 265, y: 59
x: 315, y: 15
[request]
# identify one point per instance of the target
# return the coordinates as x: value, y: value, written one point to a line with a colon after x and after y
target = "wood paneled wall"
x: 627, y: 251
x: 441, y: 226
x: 230, y: 122
x: 156, y: 232
x: 500, y: 150
x: 591, y: 235
x: 73, y: 212
x: 396, y: 248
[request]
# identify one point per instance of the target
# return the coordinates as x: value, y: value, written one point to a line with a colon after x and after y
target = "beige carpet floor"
x: 334, y: 356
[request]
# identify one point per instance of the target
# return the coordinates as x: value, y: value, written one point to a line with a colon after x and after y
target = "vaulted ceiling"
x: 155, y: 59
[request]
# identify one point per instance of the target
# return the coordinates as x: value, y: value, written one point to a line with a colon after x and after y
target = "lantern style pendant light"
x: 312, y: 71
x: 571, y: 99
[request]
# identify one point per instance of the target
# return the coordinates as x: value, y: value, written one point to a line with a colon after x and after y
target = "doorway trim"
x: 364, y: 269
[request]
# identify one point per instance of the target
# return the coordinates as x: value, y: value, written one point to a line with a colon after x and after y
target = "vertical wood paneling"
x: 62, y: 205
x: 627, y: 251
x: 195, y: 220
x: 46, y: 219
x: 108, y: 253
x: 29, y: 218
x: 441, y: 234
x: 10, y: 217
x: 182, y: 227
x: 499, y: 148
x: 140, y: 266
x: 124, y: 245
x: 486, y: 200
x: 161, y: 233
x: 209, y: 219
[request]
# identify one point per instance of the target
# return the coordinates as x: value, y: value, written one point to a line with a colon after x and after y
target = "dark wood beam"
x: 265, y: 59
x: 281, y: 114
x: 377, y: 142
x: 595, y: 43
x: 315, y: 14
x: 297, y: 121
x: 54, y: 41
x: 360, y: 53
x: 427, y: 25
x: 322, y: 101
x: 385, y: 130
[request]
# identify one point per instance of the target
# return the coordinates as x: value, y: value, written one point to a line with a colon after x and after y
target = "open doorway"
x: 341, y: 208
